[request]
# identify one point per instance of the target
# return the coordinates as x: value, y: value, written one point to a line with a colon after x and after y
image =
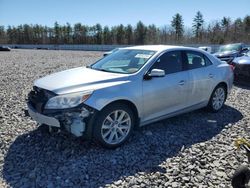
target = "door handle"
x: 211, y: 75
x: 181, y: 83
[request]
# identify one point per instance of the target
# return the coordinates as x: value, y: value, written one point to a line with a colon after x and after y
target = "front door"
x: 164, y: 95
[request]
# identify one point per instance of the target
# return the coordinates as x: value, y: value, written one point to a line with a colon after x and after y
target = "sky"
x: 114, y: 12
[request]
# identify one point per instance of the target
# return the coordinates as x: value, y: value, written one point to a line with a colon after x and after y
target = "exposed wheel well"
x: 130, y: 105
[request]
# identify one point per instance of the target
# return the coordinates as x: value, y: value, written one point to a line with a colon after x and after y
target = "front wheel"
x: 114, y: 125
x: 217, y: 99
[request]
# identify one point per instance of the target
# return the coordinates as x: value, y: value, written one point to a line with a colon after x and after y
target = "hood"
x: 79, y: 79
x: 225, y: 53
x: 242, y: 60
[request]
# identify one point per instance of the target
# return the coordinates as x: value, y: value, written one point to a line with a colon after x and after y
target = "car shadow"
x: 38, y: 159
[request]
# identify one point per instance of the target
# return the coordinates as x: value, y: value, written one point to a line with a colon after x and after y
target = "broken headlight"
x: 67, y: 100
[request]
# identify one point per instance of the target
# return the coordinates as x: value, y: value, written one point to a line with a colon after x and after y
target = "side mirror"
x: 154, y: 73
x: 157, y: 73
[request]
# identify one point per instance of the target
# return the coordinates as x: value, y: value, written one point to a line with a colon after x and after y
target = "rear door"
x: 201, y: 74
x: 164, y: 95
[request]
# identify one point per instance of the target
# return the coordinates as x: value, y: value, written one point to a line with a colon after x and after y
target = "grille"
x: 38, y: 98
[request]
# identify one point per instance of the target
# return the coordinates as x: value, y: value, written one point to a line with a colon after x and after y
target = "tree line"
x: 221, y: 31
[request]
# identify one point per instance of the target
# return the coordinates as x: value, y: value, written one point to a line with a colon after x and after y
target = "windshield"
x: 124, y: 61
x: 230, y: 47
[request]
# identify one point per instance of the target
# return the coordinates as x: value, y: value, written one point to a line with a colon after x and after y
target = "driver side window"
x: 170, y: 62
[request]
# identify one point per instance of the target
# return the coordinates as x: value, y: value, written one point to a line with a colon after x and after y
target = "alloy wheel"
x: 116, y: 127
x: 218, y: 98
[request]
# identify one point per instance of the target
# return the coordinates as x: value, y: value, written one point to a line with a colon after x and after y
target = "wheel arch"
x: 96, y: 133
x: 223, y: 84
x: 128, y: 103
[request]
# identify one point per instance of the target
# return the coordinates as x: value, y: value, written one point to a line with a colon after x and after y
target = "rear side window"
x: 170, y: 62
x: 196, y: 60
x: 208, y: 62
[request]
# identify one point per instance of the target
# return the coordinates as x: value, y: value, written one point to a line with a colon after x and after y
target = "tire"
x: 114, y: 125
x: 44, y: 129
x: 217, y: 99
x: 241, y: 177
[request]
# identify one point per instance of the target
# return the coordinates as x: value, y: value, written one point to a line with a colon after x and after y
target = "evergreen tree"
x: 3, y: 36
x: 106, y: 35
x: 129, y: 34
x: 56, y: 32
x: 198, y: 22
x: 68, y: 33
x: 113, y: 33
x: 79, y: 34
x: 217, y: 32
x: 140, y: 33
x: 225, y: 23
x: 152, y: 32
x: 178, y: 25
x: 98, y: 34
x: 246, y: 22
x: 120, y: 34
x: 237, y: 30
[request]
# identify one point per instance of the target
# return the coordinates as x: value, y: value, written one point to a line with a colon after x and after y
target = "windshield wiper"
x: 104, y: 70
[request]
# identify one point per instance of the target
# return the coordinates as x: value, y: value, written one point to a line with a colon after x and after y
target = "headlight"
x: 67, y: 100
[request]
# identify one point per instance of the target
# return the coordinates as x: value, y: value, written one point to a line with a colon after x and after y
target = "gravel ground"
x: 191, y: 150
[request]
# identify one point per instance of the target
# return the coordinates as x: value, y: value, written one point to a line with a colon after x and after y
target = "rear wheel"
x: 217, y: 98
x: 114, y: 125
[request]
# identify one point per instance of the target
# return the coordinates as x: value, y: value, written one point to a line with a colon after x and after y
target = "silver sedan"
x: 131, y: 87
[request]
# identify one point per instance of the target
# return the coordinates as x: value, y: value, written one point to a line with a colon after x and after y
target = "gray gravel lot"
x: 191, y: 150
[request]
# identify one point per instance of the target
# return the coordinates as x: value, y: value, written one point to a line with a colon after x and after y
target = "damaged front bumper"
x: 76, y: 120
x: 42, y: 119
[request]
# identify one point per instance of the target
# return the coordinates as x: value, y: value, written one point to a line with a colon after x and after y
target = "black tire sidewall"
x: 100, y: 118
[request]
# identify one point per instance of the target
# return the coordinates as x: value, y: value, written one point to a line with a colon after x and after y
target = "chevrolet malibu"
x: 131, y: 87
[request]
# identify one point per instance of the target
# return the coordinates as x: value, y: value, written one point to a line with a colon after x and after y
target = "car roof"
x: 157, y: 48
